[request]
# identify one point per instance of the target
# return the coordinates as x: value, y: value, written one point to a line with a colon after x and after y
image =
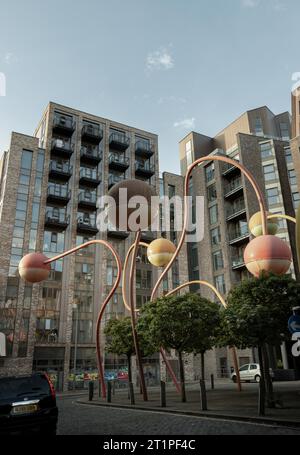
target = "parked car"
x: 250, y: 372
x: 28, y: 404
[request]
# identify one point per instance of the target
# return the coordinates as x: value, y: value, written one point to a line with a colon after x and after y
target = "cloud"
x: 187, y: 123
x: 279, y: 6
x: 171, y: 99
x: 9, y: 58
x: 159, y: 60
x: 250, y: 3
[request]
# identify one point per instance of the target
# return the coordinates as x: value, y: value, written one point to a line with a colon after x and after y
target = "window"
x: 266, y: 149
x: 212, y: 193
x: 296, y: 199
x: 269, y: 172
x: 284, y: 131
x: 26, y: 159
x: 273, y: 196
x: 53, y: 242
x: 288, y: 155
x: 213, y: 214
x: 210, y: 172
x: 171, y: 190
x: 258, y: 127
x: 215, y: 236
x: 244, y: 368
x: 292, y: 177
x: 220, y: 284
x: 188, y: 152
x: 218, y: 262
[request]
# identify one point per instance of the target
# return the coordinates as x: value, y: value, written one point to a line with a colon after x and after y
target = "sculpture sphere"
x: 255, y: 224
x: 268, y: 254
x: 32, y: 267
x: 160, y: 252
x: 134, y: 188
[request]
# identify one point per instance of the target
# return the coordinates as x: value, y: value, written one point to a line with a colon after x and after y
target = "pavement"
x: 224, y: 402
x: 84, y: 419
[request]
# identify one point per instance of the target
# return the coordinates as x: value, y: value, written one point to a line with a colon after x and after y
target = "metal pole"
x: 163, y: 401
x: 75, y: 346
x: 203, y: 396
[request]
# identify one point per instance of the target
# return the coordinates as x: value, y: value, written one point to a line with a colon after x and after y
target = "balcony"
x: 63, y: 125
x: 60, y: 171
x: 119, y: 141
x: 236, y: 211
x: 92, y: 133
x: 238, y: 262
x: 61, y: 148
x: 144, y: 149
x: 90, y: 155
x: 239, y: 236
x: 113, y: 179
x: 89, y: 177
x: 43, y: 336
x: 118, y: 162
x: 56, y: 220
x: 86, y: 226
x: 233, y: 188
x: 87, y: 200
x: 230, y: 170
x: 120, y: 235
x: 58, y: 194
x: 144, y: 169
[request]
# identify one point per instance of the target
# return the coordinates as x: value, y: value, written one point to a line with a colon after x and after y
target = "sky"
x: 166, y: 66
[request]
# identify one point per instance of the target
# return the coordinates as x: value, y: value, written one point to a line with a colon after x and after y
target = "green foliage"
x: 187, y: 323
x: 120, y: 339
x: 258, y: 310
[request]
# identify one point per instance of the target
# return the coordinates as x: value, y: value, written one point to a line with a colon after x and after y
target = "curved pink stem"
x: 104, y: 304
x: 254, y: 184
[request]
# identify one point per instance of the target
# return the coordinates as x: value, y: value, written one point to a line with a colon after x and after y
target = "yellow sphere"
x: 255, y: 225
x: 160, y: 252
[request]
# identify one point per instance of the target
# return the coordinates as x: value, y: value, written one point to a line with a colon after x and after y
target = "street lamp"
x: 75, y: 308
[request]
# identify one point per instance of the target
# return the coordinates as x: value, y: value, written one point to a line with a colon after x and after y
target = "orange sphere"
x: 32, y: 267
x: 160, y: 252
x: 269, y: 254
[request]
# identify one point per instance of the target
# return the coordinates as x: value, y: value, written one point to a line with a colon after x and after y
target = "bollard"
x: 261, y: 398
x: 163, y: 400
x: 203, y: 397
x: 131, y: 393
x: 212, y: 381
x: 108, y: 392
x: 91, y: 390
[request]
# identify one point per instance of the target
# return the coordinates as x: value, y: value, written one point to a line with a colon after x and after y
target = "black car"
x: 27, y: 404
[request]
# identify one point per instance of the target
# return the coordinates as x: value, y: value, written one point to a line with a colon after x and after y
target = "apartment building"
x: 49, y: 187
x: 259, y: 140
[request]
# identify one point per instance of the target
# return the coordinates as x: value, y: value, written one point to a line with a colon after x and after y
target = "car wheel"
x: 257, y: 378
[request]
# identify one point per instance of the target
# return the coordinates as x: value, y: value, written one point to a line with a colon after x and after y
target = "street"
x: 78, y: 419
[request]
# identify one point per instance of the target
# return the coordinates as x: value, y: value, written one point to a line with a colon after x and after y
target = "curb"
x: 260, y: 420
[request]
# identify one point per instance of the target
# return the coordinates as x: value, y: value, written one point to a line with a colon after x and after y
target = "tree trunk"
x: 182, y: 381
x: 129, y: 368
x: 262, y: 385
x: 268, y: 380
x: 202, y: 366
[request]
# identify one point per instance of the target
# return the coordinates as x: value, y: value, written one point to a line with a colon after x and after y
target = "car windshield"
x: 18, y: 387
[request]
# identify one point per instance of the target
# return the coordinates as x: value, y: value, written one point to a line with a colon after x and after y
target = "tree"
x: 256, y: 316
x: 120, y: 341
x: 179, y: 322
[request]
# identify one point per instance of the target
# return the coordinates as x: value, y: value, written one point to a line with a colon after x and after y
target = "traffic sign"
x: 294, y: 323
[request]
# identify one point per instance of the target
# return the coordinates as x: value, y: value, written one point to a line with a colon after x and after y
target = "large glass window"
x: 266, y: 149
x: 220, y: 284
x: 54, y: 242
x: 188, y: 152
x: 212, y: 193
x: 215, y: 235
x: 210, y: 172
x: 269, y: 172
x: 285, y: 131
x: 273, y: 196
x: 218, y: 262
x: 258, y: 127
x: 26, y: 159
x: 213, y: 214
x: 288, y: 155
x: 292, y: 177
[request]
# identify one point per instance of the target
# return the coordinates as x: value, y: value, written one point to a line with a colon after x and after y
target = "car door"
x: 244, y: 372
x: 253, y: 371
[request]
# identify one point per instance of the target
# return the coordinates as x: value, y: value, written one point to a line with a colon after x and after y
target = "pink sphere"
x: 32, y: 267
x: 268, y: 254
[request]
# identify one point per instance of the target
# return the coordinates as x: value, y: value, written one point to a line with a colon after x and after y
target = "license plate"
x: 24, y: 409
